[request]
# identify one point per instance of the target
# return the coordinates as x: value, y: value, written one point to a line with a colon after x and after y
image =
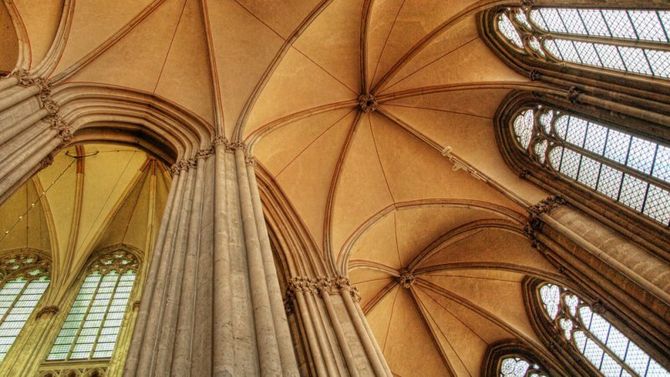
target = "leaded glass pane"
x: 516, y: 366
x: 92, y: 326
x: 18, y: 299
x: 602, y: 344
x: 602, y: 38
x: 628, y: 169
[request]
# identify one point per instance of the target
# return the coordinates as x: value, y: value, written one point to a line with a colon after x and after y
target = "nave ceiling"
x: 410, y: 181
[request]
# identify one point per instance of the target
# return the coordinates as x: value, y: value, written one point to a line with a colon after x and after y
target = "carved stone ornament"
x: 573, y: 94
x: 205, y: 153
x: 232, y: 147
x: 46, y: 161
x: 406, y: 279
x: 535, y: 211
x: 459, y: 164
x: 65, y: 134
x: 49, y: 310
x: 250, y: 160
x: 534, y: 75
x: 330, y: 285
x: 367, y: 103
x: 219, y: 140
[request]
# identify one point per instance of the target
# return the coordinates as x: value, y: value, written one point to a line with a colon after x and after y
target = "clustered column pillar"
x: 338, y: 338
x: 212, y: 304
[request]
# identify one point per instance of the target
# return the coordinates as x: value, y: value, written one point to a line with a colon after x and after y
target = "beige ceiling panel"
x: 333, y: 41
x: 379, y: 244
x: 186, y: 77
x: 296, y: 84
x: 491, y: 246
x: 473, y: 63
x: 471, y: 138
x: 23, y: 225
x: 411, y: 24
x: 107, y: 179
x: 418, y: 227
x: 362, y: 189
x: 243, y: 49
x: 450, y: 40
x: 283, y: 17
x: 495, y: 291
x: 9, y: 44
x: 409, y: 348
x: 85, y: 36
x: 369, y: 282
x: 306, y: 180
x: 137, y: 59
x: 41, y: 19
x: 380, y: 22
x: 282, y: 145
x: 462, y: 345
x: 429, y: 175
x: 379, y: 317
x: 59, y: 181
x: 476, y: 102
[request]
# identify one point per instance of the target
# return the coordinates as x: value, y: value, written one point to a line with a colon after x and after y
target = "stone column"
x: 338, y: 339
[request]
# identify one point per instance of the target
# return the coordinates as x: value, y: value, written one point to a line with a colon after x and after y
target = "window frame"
x: 601, y: 80
x: 649, y: 232
x: 562, y: 348
x: 497, y: 351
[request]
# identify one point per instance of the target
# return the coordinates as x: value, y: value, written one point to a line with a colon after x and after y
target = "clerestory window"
x: 625, y: 168
x: 93, y: 323
x: 605, y: 347
x: 635, y: 41
x: 24, y: 279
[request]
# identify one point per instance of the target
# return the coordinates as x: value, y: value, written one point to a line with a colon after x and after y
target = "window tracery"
x: 92, y: 326
x: 628, y: 40
x: 23, y: 278
x: 604, y: 346
x: 624, y: 167
x: 519, y: 366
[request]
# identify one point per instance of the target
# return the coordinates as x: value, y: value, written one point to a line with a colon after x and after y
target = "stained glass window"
x: 25, y: 278
x: 517, y: 366
x: 630, y: 40
x: 628, y: 169
x: 92, y: 326
x: 603, y: 345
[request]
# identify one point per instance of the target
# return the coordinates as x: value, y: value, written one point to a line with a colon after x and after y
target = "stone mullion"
x: 147, y: 310
x: 339, y: 332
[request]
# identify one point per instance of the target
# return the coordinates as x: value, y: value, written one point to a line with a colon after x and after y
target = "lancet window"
x: 626, y: 168
x: 606, y: 348
x: 92, y: 325
x: 635, y: 41
x: 23, y: 279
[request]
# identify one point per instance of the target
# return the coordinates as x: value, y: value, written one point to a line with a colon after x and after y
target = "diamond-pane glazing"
x: 602, y: 344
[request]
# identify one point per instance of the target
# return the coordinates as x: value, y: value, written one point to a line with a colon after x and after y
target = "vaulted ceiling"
x: 416, y: 186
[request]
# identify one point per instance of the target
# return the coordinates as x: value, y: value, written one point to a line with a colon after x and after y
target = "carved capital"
x: 534, y: 75
x: 250, y: 160
x: 219, y: 140
x: 65, y: 134
x: 545, y: 206
x: 204, y: 153
x: 47, y: 311
x: 232, y: 147
x: 367, y: 103
x: 181, y: 165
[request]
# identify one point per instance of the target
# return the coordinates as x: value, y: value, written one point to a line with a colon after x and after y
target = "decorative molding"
x: 250, y: 160
x: 205, y: 153
x: 460, y: 164
x: 534, y: 75
x: 573, y: 94
x: 179, y: 166
x: 49, y: 310
x: 232, y: 147
x: 367, y: 103
x: 46, y: 161
x: 330, y: 285
x: 219, y: 140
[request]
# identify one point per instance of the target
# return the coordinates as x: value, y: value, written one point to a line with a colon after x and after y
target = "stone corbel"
x: 459, y: 164
x: 545, y: 206
x: 203, y: 154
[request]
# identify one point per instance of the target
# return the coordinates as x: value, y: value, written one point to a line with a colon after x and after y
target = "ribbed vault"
x: 373, y: 118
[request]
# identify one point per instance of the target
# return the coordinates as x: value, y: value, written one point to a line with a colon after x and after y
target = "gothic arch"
x: 511, y: 348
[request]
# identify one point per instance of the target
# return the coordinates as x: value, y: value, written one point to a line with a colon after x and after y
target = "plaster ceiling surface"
x: 92, y: 197
x: 416, y: 186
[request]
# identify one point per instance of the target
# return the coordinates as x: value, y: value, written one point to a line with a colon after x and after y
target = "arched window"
x: 92, y: 326
x: 634, y: 41
x: 605, y: 347
x: 23, y: 279
x: 519, y: 366
x: 626, y: 168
